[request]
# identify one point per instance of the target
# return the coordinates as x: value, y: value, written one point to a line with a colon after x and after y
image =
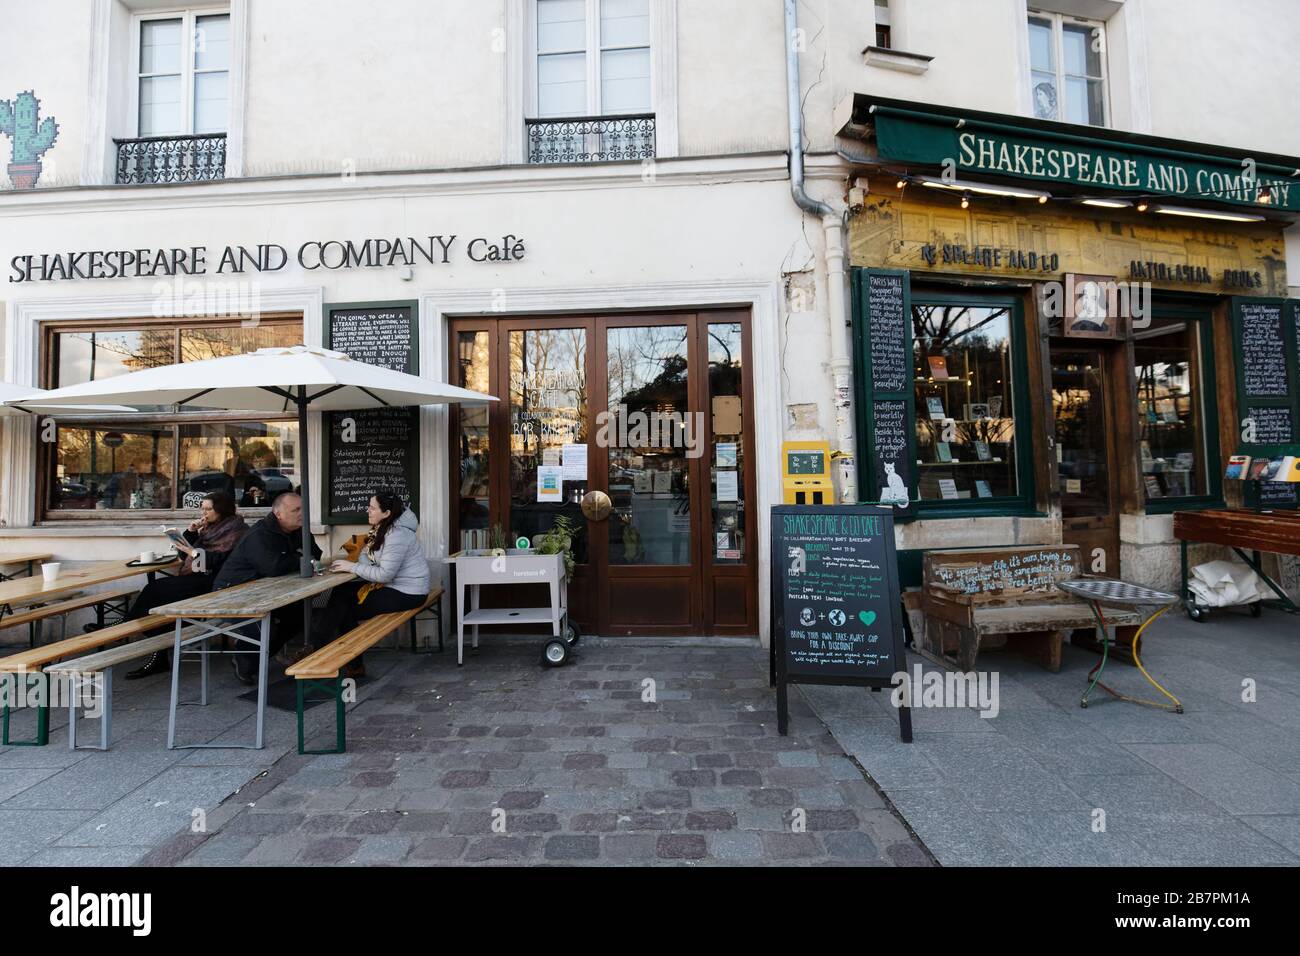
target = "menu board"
x: 835, y: 599
x: 889, y: 330
x: 382, y: 455
x: 1272, y: 424
x: 375, y: 448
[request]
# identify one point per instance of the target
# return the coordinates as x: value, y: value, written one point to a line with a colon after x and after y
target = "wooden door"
x: 663, y: 404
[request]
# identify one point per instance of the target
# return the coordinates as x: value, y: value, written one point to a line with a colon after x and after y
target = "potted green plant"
x: 559, y: 540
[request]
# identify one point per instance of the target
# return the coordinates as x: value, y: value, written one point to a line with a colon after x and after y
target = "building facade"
x: 584, y: 207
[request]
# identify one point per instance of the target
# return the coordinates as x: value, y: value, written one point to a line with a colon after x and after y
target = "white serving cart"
x: 475, y: 568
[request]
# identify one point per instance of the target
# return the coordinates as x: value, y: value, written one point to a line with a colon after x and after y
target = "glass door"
x: 1084, y: 455
x: 650, y: 411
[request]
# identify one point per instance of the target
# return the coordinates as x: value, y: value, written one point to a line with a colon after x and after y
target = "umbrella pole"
x: 304, y: 469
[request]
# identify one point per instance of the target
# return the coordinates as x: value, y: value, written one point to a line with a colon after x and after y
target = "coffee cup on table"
x: 50, y: 571
x: 146, y: 557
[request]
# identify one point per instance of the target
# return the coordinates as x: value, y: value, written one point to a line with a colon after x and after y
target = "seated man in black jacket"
x: 273, y: 547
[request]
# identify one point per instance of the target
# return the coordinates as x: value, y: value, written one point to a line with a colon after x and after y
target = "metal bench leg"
x: 335, y: 689
x: 42, y: 714
x: 106, y: 716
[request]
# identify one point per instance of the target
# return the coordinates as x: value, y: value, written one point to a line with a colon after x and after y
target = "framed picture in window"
x: 1093, y: 309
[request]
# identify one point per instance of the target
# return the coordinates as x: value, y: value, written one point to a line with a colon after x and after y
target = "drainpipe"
x: 836, y: 280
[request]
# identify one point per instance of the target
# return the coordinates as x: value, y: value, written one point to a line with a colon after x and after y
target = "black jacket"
x: 267, y: 551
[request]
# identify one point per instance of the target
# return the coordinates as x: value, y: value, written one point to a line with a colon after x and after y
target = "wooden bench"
x: 82, y: 671
x: 322, y: 669
x: 1007, y: 597
x: 35, y: 660
x: 101, y: 601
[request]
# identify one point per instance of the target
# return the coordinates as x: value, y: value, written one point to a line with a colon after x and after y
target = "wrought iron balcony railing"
x: 591, y: 139
x: 171, y: 159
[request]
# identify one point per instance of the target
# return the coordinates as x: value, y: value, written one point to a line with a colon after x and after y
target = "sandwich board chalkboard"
x: 836, y: 612
x: 376, y: 448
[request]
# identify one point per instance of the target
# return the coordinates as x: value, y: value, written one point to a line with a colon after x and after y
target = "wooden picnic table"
x: 30, y: 560
x: 34, y: 590
x: 208, y: 615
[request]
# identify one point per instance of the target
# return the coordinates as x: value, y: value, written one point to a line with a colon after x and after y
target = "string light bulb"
x: 1143, y: 206
x: 965, y: 200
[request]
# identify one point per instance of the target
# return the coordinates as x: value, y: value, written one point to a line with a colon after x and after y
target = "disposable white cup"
x: 146, y: 557
x: 50, y: 571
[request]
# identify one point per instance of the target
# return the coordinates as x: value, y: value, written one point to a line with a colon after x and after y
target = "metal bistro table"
x: 223, y: 613
x: 1099, y: 591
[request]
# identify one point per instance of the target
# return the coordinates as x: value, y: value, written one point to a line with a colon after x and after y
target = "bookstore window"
x: 969, y: 414
x: 1173, y: 385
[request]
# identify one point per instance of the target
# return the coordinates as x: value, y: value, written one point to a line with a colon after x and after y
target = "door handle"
x: 596, y: 505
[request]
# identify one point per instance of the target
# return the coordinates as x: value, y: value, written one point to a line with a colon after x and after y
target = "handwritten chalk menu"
x: 374, y: 448
x: 382, y: 455
x: 835, y: 600
x: 1263, y: 350
x: 889, y: 327
x: 1272, y: 424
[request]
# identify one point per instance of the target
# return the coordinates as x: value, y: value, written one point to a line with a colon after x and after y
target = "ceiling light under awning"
x: 962, y: 186
x: 1206, y: 214
x: 1107, y: 203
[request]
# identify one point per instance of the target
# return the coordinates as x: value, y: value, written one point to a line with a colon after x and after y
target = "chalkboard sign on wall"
x: 381, y: 456
x: 885, y: 399
x: 1264, y: 358
x: 835, y: 601
x: 889, y: 330
x: 378, y: 448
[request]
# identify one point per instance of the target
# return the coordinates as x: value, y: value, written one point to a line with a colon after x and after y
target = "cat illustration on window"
x: 895, y: 490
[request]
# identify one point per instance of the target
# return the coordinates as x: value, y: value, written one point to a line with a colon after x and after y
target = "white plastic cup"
x: 146, y: 557
x: 50, y: 571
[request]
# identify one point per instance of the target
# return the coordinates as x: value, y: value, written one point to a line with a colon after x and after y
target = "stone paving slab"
x: 1214, y: 786
x: 503, y: 762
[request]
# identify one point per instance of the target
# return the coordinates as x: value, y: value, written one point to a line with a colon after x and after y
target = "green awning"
x: 1089, y: 159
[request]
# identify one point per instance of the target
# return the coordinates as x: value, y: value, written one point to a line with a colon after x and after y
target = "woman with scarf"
x: 215, y: 534
x: 393, y: 572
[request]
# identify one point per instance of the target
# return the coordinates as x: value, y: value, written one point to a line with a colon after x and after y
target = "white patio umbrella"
x: 31, y: 402
x: 268, y: 380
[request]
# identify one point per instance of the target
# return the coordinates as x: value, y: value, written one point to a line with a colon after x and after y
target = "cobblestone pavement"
x: 504, y: 762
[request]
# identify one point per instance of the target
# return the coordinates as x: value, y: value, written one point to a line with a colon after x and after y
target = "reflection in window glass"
x: 208, y: 342
x: 253, y: 462
x: 1167, y: 372
x: 475, y: 472
x: 1079, y: 411
x: 727, y: 456
x: 121, y: 468
x: 965, y: 419
x: 649, y: 433
x: 548, y: 410
x: 94, y: 356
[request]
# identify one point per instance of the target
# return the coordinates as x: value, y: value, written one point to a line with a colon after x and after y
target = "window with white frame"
x: 593, y: 57
x: 183, y: 73
x: 1067, y: 60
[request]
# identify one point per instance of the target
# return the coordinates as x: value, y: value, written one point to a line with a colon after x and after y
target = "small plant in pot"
x: 559, y: 540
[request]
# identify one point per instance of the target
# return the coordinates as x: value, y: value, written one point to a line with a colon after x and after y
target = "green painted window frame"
x: 1213, y: 498
x: 1023, y: 503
